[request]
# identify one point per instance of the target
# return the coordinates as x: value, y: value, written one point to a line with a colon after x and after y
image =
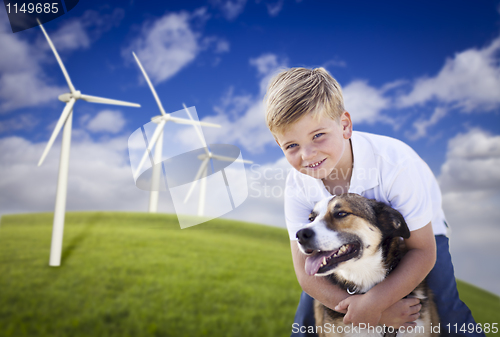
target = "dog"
x: 355, y: 243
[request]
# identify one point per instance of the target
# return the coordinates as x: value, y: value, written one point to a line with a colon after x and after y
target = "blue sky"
x: 427, y: 73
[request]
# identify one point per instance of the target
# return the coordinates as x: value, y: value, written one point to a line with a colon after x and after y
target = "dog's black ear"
x: 390, y: 220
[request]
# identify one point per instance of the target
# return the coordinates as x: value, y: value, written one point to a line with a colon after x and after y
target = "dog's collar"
x: 351, y: 292
x: 355, y: 291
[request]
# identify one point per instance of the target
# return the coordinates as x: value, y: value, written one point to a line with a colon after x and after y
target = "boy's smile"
x: 316, y: 146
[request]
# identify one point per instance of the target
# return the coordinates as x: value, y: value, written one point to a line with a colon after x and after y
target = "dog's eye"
x: 311, y: 218
x: 341, y: 214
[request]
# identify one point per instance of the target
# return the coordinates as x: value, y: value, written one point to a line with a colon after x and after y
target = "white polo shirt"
x: 384, y: 169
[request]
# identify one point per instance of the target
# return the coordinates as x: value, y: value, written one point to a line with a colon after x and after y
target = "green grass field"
x: 135, y: 274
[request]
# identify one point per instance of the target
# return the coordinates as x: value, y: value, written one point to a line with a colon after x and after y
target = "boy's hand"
x: 360, y: 309
x: 402, y: 313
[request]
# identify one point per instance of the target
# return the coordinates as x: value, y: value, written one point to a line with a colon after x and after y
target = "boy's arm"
x: 413, y: 268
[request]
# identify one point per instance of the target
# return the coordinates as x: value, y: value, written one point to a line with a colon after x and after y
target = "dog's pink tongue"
x: 313, y: 263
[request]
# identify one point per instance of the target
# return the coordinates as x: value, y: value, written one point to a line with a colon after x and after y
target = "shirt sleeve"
x: 297, y: 207
x: 409, y: 193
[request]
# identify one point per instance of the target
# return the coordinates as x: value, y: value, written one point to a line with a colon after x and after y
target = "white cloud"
x: 334, y: 63
x: 170, y: 43
x: 249, y: 130
x: 265, y: 63
x: 474, y: 238
x: 71, y: 36
x: 470, y: 181
x: 97, y: 23
x: 470, y: 81
x: 232, y: 104
x: 166, y: 46
x: 275, y: 7
x: 217, y: 44
x: 365, y: 102
x: 267, y: 66
x: 111, y: 121
x: 15, y: 54
x: 24, y: 89
x: 422, y: 125
x: 21, y: 79
x: 25, y: 122
x: 230, y: 9
x: 222, y: 46
x: 79, y: 33
x: 472, y: 163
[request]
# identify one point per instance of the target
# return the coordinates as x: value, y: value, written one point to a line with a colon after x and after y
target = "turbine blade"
x: 95, y: 99
x: 198, y: 175
x: 156, y: 135
x: 224, y: 158
x: 59, y: 125
x: 70, y: 85
x: 198, y: 131
x: 150, y: 85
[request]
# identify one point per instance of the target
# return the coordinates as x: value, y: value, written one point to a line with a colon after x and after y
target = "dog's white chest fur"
x: 365, y: 272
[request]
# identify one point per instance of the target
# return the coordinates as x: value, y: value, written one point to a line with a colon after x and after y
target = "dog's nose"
x: 304, y: 235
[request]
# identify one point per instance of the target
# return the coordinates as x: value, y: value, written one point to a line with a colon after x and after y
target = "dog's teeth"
x: 324, y: 260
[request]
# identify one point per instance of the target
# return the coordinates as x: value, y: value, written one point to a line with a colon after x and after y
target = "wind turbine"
x: 157, y: 139
x: 65, y: 119
x: 203, y: 170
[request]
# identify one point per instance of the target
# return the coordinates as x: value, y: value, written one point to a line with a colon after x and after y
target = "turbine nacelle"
x: 204, y: 156
x: 157, y: 119
x: 67, y: 96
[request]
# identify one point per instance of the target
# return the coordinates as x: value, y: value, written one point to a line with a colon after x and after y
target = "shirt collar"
x: 365, y: 174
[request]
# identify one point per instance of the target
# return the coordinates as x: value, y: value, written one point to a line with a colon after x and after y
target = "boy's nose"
x: 308, y: 152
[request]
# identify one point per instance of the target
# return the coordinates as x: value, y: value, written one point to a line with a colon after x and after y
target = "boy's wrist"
x: 376, y: 300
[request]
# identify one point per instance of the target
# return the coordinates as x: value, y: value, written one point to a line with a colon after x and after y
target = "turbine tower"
x: 65, y: 119
x: 157, y: 139
x: 203, y: 170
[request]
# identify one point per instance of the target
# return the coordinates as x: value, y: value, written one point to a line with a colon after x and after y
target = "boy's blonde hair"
x: 297, y: 91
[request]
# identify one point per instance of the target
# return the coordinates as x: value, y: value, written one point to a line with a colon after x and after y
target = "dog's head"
x: 346, y: 228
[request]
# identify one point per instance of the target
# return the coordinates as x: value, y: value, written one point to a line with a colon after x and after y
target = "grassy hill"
x: 135, y: 274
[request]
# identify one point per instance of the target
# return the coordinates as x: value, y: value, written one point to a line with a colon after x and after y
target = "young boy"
x: 305, y: 113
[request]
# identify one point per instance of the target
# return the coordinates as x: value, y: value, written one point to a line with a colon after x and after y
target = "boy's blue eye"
x: 318, y: 135
x: 290, y: 146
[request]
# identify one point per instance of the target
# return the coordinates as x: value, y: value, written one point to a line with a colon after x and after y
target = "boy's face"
x: 316, y: 146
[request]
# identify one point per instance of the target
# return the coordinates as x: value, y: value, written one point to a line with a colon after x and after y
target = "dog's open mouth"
x: 322, y: 261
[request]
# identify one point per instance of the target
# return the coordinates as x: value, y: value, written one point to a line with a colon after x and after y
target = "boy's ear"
x: 346, y: 123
